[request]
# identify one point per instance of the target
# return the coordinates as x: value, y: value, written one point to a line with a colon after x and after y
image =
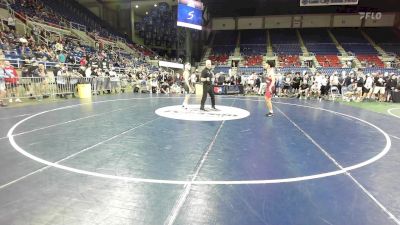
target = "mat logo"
x: 193, y: 113
x: 370, y: 15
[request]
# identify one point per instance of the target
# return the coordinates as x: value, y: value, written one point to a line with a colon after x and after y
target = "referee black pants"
x: 207, y: 88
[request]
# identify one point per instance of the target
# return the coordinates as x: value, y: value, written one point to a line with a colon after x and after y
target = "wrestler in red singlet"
x: 270, y: 81
x: 268, y: 93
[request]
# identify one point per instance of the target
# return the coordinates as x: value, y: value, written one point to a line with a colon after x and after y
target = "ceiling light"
x: 137, y: 6
x: 147, y: 13
x: 155, y: 5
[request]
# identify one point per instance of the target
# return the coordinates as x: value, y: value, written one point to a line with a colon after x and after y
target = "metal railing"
x: 62, y: 86
x: 77, y: 26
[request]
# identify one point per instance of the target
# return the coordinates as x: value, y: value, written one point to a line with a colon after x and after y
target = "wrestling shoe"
x: 269, y: 115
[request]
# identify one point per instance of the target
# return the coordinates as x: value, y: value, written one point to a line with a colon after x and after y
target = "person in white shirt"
x: 11, y: 23
x: 367, y: 89
x: 59, y: 47
x: 317, y: 85
x: 114, y: 80
x: 61, y: 80
x: 193, y: 78
x: 88, y: 72
x: 334, y: 80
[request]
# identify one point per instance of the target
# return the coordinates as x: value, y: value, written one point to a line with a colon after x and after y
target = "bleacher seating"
x: 349, y: 35
x: 60, y: 13
x: 318, y: 42
x: 219, y: 59
x: 221, y: 69
x: 250, y: 70
x: 226, y: 37
x: 289, y: 61
x: 285, y: 42
x: 386, y: 38
x: 251, y: 50
x: 381, y: 70
x: 287, y: 49
x: 241, y: 70
x: 359, y: 48
x: 253, y: 42
x: 159, y: 28
x: 253, y: 60
x: 35, y: 10
x: 223, y: 49
x: 370, y: 61
x: 329, y: 60
x: 224, y: 45
x: 285, y: 70
x: 391, y: 48
x: 383, y: 35
x: 331, y: 70
x: 353, y: 41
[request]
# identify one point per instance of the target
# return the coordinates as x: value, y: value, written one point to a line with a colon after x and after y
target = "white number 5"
x: 191, y: 15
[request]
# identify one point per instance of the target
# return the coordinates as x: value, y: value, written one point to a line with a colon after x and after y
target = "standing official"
x: 206, y: 77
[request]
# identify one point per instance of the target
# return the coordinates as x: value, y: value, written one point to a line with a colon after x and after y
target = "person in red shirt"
x: 83, y: 61
x: 12, y: 81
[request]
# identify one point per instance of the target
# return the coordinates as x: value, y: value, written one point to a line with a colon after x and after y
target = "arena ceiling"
x: 228, y: 8
x: 233, y: 8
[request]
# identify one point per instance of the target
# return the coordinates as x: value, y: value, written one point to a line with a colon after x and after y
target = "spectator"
x: 59, y: 47
x: 367, y: 89
x: 3, y: 91
x: 61, y: 57
x: 390, y: 86
x: 12, y: 81
x: 11, y: 23
x: 379, y: 89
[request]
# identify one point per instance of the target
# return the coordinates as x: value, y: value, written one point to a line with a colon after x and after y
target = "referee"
x: 206, y: 77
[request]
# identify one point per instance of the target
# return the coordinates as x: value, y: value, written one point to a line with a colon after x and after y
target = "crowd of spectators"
x: 353, y: 86
x: 59, y: 58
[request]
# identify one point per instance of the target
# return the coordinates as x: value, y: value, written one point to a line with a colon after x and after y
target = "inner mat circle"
x: 193, y: 113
